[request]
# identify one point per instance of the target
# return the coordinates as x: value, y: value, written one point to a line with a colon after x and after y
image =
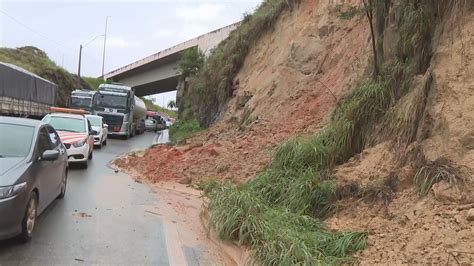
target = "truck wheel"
x: 29, y: 220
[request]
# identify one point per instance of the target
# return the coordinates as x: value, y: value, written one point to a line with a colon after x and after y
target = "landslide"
x: 287, y: 86
x: 390, y: 155
x: 38, y: 62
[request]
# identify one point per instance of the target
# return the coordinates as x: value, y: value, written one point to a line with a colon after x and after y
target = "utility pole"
x: 79, y: 66
x: 105, y: 42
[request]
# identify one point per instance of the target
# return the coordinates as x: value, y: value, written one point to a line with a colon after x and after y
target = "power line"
x: 34, y: 31
x: 69, y: 50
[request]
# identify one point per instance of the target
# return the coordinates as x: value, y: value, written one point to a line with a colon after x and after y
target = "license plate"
x: 110, y: 110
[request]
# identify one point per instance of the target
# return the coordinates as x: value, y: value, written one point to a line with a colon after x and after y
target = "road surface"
x: 105, y: 218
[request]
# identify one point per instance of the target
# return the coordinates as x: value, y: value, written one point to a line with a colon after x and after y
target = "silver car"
x: 33, y: 173
x: 151, y: 124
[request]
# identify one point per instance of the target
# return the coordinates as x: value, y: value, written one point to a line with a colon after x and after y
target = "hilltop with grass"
x: 328, y: 133
x: 38, y: 62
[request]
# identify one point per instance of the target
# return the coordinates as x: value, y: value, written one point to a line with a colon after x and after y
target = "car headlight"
x: 8, y: 192
x: 79, y: 143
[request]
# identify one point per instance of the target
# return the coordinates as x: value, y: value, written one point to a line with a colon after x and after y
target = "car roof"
x: 21, y: 121
x: 68, y: 115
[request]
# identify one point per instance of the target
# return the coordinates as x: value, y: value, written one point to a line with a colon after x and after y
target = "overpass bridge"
x: 160, y: 72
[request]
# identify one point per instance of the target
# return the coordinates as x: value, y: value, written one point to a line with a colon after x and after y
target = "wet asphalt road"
x: 101, y: 220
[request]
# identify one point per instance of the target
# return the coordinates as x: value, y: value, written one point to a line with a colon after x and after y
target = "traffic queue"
x: 37, y: 152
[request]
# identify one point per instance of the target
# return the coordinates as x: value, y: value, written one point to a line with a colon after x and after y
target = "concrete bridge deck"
x: 160, y: 72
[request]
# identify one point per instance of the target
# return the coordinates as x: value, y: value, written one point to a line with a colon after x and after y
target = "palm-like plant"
x: 172, y: 104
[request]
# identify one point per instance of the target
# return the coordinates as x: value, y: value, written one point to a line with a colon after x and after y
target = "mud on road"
x: 109, y: 218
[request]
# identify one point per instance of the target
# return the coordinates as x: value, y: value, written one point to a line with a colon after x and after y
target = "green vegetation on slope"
x: 278, y: 212
x: 150, y: 106
x: 36, y: 61
x: 183, y: 129
x: 93, y: 82
x: 212, y: 86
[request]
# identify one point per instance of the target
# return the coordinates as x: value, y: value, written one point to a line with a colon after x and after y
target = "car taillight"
x: 116, y: 128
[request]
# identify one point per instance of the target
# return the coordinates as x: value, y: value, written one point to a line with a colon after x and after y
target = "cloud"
x: 163, y: 33
x: 120, y: 42
x: 203, y: 12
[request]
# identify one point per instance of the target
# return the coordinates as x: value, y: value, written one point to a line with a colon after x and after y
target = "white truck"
x: 83, y: 99
x: 123, y: 112
x: 25, y: 94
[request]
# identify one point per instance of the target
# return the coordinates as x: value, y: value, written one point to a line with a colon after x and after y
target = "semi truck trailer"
x: 25, y: 94
x: 121, y: 109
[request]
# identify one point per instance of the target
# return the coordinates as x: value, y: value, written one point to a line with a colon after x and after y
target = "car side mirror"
x: 50, y: 155
x: 106, y: 126
x: 94, y: 132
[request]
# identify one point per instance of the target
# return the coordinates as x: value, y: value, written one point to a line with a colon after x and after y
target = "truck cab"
x: 121, y: 109
x: 83, y: 99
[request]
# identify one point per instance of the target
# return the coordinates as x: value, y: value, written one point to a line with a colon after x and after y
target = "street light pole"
x: 105, y: 42
x: 79, y: 66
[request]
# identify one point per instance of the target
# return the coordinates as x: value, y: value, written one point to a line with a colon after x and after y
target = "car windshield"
x: 114, y: 101
x: 66, y: 123
x: 81, y: 102
x: 95, y: 121
x: 15, y: 140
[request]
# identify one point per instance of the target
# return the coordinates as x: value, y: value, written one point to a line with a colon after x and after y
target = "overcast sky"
x: 136, y: 29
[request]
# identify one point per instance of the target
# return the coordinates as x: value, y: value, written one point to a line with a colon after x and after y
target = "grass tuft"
x: 436, y: 171
x: 277, y: 236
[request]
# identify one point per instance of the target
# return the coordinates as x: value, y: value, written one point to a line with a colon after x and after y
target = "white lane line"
x: 176, y: 255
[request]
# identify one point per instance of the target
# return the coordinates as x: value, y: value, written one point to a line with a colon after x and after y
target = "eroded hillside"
x: 288, y: 84
x: 388, y: 154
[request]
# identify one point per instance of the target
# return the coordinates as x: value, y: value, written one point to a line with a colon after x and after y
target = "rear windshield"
x: 66, y: 123
x: 15, y: 140
x: 95, y: 121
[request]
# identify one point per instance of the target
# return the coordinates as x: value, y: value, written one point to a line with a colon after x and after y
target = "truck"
x: 83, y: 99
x: 121, y: 109
x: 24, y: 94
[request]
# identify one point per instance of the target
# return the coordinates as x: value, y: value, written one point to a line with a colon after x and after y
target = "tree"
x: 191, y: 61
x: 172, y: 104
x: 369, y: 12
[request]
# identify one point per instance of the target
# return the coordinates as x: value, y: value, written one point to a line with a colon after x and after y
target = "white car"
x: 102, y: 129
x: 76, y: 133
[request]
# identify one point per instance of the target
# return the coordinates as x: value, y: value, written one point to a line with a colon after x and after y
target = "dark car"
x: 33, y: 173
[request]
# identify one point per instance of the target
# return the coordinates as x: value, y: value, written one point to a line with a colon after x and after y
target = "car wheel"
x: 85, y: 164
x: 63, y: 186
x: 29, y: 220
x: 99, y: 146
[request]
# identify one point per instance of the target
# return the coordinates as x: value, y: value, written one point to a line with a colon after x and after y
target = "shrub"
x: 183, y: 129
x: 191, y: 61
